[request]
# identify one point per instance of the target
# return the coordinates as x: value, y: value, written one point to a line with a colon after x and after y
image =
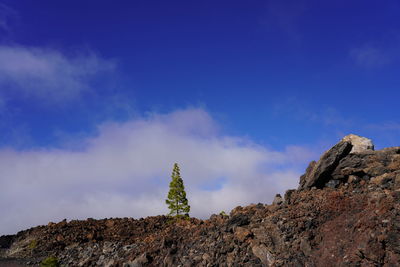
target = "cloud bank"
x: 125, y: 170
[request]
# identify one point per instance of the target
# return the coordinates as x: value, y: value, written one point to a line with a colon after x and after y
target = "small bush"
x: 33, y: 244
x: 50, y: 262
x: 222, y: 213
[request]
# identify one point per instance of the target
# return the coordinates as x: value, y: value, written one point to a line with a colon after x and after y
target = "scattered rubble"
x: 346, y: 212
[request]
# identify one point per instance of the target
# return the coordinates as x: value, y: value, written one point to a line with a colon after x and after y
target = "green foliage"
x: 33, y: 244
x: 177, y: 201
x: 50, y: 262
x: 222, y: 213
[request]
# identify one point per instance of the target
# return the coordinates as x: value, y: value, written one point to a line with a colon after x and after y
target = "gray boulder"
x: 360, y: 144
x: 277, y: 200
x: 318, y: 174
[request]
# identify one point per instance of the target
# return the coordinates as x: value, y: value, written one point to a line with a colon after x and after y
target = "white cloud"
x: 385, y: 126
x: 125, y: 171
x: 46, y: 73
x: 302, y: 111
x: 369, y: 56
x: 7, y: 14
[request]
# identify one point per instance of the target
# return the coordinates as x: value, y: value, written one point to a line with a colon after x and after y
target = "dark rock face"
x: 337, y: 167
x: 344, y: 159
x: 277, y: 200
x: 239, y: 220
x: 14, y: 263
x: 6, y: 241
x: 347, y: 213
x: 318, y: 174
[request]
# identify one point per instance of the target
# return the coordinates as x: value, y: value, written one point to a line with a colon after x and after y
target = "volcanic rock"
x: 360, y: 144
x: 319, y: 174
x: 277, y: 200
x: 345, y: 213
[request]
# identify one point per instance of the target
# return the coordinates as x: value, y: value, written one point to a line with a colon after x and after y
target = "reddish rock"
x: 354, y: 221
x: 242, y: 233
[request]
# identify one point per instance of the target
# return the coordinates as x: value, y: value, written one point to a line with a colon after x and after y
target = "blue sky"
x: 280, y: 78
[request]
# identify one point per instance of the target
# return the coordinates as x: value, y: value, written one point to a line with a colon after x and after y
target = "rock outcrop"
x: 346, y: 212
x: 319, y: 174
x: 359, y: 144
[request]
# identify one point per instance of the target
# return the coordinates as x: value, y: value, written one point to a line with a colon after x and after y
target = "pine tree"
x: 177, y: 201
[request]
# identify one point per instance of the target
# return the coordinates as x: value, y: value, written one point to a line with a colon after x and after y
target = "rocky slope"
x: 346, y: 212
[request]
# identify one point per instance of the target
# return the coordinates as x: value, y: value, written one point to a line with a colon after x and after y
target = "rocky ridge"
x: 346, y: 212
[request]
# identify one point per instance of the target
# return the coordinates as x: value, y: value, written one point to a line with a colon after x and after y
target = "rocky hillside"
x: 346, y: 212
